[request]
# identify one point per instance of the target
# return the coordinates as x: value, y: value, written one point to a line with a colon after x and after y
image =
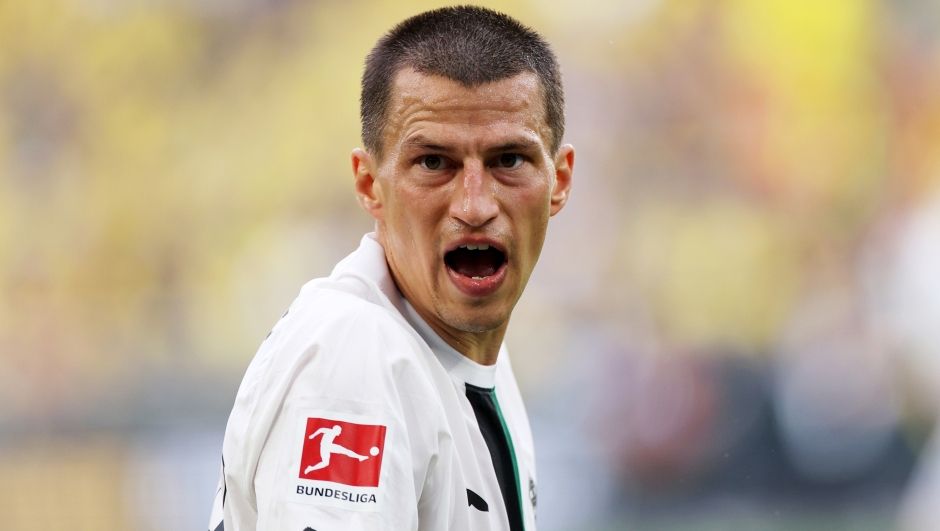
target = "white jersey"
x: 355, y: 415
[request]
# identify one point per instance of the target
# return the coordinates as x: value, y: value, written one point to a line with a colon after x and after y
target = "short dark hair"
x: 467, y: 44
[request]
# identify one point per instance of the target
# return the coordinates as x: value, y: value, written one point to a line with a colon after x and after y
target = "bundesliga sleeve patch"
x: 338, y: 461
x: 342, y: 452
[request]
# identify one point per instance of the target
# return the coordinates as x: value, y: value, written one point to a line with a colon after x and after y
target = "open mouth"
x: 475, y: 261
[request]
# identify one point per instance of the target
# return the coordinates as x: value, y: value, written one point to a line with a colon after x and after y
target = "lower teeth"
x: 477, y: 278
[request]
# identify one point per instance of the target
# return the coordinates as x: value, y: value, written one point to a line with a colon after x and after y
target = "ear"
x: 564, y: 166
x: 368, y: 191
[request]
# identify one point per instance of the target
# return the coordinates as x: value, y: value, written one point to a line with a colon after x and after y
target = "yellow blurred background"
x: 735, y: 323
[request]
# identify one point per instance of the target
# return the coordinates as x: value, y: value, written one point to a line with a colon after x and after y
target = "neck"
x: 483, y: 347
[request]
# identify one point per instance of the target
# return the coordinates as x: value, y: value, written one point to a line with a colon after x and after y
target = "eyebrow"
x: 421, y: 142
x: 514, y: 146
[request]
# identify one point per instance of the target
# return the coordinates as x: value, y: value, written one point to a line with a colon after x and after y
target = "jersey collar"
x: 369, y: 261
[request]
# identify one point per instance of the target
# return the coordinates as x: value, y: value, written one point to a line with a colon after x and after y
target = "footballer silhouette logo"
x: 342, y: 452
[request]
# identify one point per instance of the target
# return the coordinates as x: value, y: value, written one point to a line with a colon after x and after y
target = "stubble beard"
x: 487, y: 322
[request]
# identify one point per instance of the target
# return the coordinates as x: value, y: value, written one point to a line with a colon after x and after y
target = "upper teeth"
x: 481, y: 247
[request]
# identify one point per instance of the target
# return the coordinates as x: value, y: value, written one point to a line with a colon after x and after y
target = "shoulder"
x: 325, y: 303
x: 335, y: 343
x: 331, y: 351
x: 325, y: 322
x: 325, y: 318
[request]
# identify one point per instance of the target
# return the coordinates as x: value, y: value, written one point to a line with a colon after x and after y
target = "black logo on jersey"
x: 533, y: 493
x: 309, y: 529
x: 475, y: 500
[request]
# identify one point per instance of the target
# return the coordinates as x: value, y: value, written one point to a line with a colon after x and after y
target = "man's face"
x: 463, y: 193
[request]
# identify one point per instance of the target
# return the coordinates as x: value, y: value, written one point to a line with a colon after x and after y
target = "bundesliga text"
x: 336, y: 493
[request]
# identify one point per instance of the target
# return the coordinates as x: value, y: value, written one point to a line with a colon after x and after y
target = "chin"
x: 475, y: 321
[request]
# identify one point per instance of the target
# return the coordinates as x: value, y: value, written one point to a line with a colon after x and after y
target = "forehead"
x: 435, y: 104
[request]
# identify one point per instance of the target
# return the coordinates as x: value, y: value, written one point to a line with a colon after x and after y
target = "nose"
x: 474, y: 201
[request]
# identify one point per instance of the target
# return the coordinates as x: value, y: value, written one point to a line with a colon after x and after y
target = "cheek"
x: 530, y: 207
x: 415, y: 213
x: 535, y: 200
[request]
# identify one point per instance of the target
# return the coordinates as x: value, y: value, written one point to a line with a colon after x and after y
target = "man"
x: 328, y: 447
x: 393, y: 370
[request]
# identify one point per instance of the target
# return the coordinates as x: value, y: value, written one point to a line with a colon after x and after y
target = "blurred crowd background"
x: 735, y: 323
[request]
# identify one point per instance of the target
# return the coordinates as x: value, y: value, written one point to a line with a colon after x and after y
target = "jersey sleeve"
x: 336, y: 428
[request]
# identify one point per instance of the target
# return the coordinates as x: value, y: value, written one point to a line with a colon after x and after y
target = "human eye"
x: 433, y: 162
x: 509, y: 160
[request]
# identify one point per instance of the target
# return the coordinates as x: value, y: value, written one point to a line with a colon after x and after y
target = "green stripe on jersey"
x: 512, y: 452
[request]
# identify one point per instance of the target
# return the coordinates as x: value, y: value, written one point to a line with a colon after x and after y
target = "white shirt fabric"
x: 352, y: 349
